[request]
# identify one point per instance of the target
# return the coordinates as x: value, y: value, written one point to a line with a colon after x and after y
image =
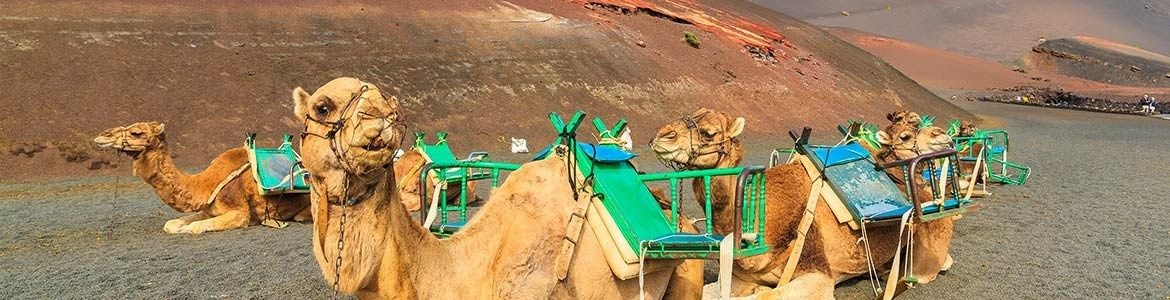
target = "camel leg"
x: 174, y: 225
x: 932, y: 245
x: 229, y: 220
x: 804, y: 286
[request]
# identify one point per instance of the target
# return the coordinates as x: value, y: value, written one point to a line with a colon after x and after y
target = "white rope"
x: 642, y: 270
x: 432, y: 210
x: 873, y: 276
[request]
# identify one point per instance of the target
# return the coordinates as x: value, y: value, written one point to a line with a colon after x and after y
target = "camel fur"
x: 238, y: 204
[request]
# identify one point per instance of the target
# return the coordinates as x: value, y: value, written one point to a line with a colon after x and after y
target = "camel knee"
x: 806, y: 286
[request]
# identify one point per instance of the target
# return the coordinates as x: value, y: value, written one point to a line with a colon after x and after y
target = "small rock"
x: 1167, y: 75
x: 641, y: 44
x: 250, y: 72
x: 1135, y: 68
x: 845, y: 13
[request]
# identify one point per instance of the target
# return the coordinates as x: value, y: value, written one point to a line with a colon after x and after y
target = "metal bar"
x: 463, y: 196
x: 422, y: 193
x: 738, y: 206
x: 689, y: 174
x: 674, y: 195
x: 707, y: 208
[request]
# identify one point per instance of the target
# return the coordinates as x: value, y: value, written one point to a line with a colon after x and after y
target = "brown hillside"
x: 483, y: 70
x: 1100, y: 60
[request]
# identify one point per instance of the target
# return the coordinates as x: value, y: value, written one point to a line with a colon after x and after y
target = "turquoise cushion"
x: 843, y: 154
x: 605, y: 154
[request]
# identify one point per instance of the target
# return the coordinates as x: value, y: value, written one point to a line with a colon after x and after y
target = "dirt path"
x: 1087, y: 225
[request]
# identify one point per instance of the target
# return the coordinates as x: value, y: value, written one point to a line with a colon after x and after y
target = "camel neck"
x: 381, y: 238
x: 723, y: 190
x: 156, y: 167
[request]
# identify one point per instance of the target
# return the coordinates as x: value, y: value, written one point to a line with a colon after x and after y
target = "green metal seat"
x: 442, y: 164
x: 868, y: 191
x: 634, y: 210
x: 276, y: 170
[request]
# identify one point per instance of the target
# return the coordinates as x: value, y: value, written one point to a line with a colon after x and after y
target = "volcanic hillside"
x: 482, y: 70
x: 999, y: 30
x: 1100, y: 60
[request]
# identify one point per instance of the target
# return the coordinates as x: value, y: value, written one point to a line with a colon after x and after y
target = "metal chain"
x: 340, y: 238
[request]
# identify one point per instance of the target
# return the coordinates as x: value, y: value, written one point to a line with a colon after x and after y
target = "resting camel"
x: 831, y: 253
x: 510, y: 249
x: 238, y: 203
x: 406, y: 169
x: 905, y: 116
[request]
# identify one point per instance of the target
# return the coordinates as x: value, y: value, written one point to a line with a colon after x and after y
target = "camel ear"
x: 890, y: 116
x: 736, y: 127
x: 157, y: 126
x: 300, y: 103
x: 884, y: 138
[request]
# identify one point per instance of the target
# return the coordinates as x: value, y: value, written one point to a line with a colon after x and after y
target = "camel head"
x: 132, y: 139
x: 906, y: 141
x: 967, y: 129
x: 703, y: 140
x: 351, y: 132
x: 905, y: 116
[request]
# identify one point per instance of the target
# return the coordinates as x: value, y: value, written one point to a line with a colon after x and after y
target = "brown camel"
x: 237, y: 204
x: 406, y: 169
x: 510, y: 249
x: 905, y: 116
x: 831, y: 253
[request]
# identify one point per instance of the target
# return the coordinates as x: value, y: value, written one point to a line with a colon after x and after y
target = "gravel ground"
x: 1085, y: 226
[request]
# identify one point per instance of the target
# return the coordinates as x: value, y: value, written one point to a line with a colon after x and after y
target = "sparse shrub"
x: 691, y: 39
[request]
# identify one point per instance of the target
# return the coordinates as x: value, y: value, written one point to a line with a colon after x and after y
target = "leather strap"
x: 224, y: 183
x: 797, y: 246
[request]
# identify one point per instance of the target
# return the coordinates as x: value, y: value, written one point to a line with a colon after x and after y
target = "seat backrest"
x: 628, y: 199
x: 439, y: 152
x: 276, y: 170
x: 866, y: 190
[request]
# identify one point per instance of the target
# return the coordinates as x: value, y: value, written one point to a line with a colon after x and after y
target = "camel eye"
x: 137, y: 134
x: 670, y: 135
x: 709, y: 134
x: 322, y: 110
x: 905, y: 136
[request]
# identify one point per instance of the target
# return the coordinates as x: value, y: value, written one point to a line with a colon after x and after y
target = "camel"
x: 237, y: 204
x: 513, y: 248
x: 905, y: 116
x: 708, y: 139
x: 406, y: 169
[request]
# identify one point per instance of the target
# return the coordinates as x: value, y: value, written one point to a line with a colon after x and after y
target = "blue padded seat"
x: 832, y: 156
x: 598, y: 154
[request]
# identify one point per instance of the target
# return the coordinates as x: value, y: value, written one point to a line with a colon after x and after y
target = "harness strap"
x: 224, y: 182
x: 797, y: 246
x: 892, y: 280
x: 572, y: 235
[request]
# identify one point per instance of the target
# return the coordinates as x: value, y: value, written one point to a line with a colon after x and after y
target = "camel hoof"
x: 173, y: 226
x: 191, y: 229
x: 947, y: 265
x: 274, y: 223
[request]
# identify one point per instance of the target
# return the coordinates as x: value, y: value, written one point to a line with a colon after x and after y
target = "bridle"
x: 340, y: 153
x: 693, y: 153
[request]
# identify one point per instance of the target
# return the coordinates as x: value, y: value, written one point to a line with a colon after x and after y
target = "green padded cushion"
x: 273, y: 168
x: 605, y: 154
x: 439, y: 153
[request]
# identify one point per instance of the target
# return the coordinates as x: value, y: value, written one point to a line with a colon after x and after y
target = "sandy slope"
x: 999, y: 30
x: 483, y: 70
x: 946, y: 71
